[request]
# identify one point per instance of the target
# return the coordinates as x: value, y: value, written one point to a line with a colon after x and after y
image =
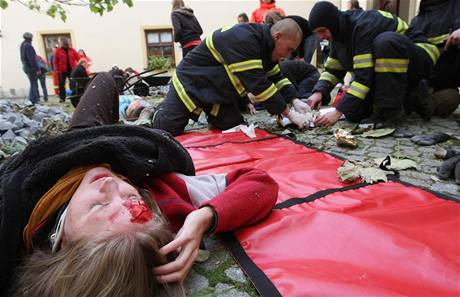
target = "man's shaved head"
x: 286, y: 36
x: 288, y: 28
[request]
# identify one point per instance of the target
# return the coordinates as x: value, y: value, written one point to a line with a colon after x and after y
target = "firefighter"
x: 388, y: 62
x: 438, y: 19
x: 229, y: 64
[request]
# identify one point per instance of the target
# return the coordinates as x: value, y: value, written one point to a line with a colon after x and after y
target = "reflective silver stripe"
x: 265, y: 95
x: 274, y: 71
x: 363, y: 61
x: 391, y: 65
x: 332, y: 63
x: 358, y: 90
x: 329, y: 77
x: 438, y: 39
x: 245, y: 65
x: 431, y: 50
x: 282, y: 83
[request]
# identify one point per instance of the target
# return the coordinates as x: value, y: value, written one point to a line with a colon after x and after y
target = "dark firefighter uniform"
x: 437, y: 19
x: 384, y: 57
x: 302, y: 75
x: 231, y: 62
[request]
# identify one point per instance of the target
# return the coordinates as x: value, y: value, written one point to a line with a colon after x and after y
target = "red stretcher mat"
x: 325, y: 238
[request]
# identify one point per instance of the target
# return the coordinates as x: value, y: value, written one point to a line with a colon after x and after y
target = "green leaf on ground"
x: 348, y: 172
x: 206, y: 292
x: 377, y: 133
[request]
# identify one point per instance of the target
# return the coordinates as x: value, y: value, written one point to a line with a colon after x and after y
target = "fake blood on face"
x: 139, y: 211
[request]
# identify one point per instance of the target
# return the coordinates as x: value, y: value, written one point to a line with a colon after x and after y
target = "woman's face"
x: 104, y: 203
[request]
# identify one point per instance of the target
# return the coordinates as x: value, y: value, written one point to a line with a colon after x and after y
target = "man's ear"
x: 276, y: 35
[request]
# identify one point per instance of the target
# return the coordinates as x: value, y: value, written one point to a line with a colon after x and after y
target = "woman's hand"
x: 187, y: 243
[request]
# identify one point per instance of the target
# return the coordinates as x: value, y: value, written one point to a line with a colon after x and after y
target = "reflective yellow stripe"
x: 226, y: 28
x: 358, y: 90
x: 431, y: 50
x: 363, y: 61
x: 215, y: 110
x: 402, y: 26
x: 282, y: 83
x: 265, y: 95
x: 198, y: 111
x: 391, y: 65
x: 438, y: 39
x: 332, y: 63
x: 234, y: 80
x: 184, y: 97
x: 275, y: 70
x: 329, y: 77
x: 245, y: 65
x: 386, y: 14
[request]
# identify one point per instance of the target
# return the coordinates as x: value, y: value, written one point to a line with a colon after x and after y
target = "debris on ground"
x: 378, y: 133
x: 344, y: 138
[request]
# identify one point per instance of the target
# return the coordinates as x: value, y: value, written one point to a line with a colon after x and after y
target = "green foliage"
x: 56, y: 8
x: 159, y: 63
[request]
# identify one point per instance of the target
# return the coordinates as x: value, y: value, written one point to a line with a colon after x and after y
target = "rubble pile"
x: 20, y: 124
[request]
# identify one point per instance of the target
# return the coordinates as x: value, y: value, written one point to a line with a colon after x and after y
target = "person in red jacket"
x: 65, y: 60
x: 100, y: 215
x: 265, y: 7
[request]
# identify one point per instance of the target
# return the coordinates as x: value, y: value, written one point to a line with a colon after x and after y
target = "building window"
x: 160, y: 43
x: 51, y: 41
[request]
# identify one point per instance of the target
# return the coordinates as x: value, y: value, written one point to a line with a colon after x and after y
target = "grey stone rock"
x: 225, y: 290
x: 8, y: 136
x: 236, y: 274
x: 195, y: 282
x: 447, y: 187
x: 21, y: 140
x: 216, y: 259
x: 6, y: 125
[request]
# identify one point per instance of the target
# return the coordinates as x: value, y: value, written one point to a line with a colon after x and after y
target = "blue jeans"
x: 42, y: 79
x: 32, y: 75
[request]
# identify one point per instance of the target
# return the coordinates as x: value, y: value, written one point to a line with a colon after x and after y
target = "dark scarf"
x: 135, y: 152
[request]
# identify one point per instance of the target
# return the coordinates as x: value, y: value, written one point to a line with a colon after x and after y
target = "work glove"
x: 449, y: 168
x: 300, y: 106
x: 297, y: 118
x: 430, y: 139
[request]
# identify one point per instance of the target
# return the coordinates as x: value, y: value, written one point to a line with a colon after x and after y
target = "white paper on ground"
x: 248, y: 130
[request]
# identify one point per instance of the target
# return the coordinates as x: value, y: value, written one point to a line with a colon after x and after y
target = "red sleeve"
x: 55, y: 61
x: 249, y: 196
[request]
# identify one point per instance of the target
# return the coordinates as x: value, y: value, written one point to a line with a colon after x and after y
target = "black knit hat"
x: 325, y: 14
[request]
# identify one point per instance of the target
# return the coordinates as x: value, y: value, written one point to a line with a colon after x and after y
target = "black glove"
x: 430, y: 139
x: 450, y: 167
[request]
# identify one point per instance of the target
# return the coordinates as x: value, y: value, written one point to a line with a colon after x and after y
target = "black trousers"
x: 62, y: 79
x: 446, y: 72
x: 173, y: 116
x: 99, y: 104
x: 390, y: 86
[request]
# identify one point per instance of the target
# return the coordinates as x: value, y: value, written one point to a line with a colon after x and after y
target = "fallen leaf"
x: 377, y: 133
x: 348, y: 172
x: 371, y: 175
x: 398, y: 164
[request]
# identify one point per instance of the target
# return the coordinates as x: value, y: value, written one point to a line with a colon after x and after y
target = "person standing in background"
x: 65, y: 59
x: 243, y: 18
x: 187, y: 29
x: 353, y: 5
x: 88, y: 60
x: 43, y: 67
x: 265, y: 7
x: 29, y: 65
x: 53, y: 71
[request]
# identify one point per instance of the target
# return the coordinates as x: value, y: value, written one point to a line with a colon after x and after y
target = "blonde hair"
x: 176, y: 4
x: 110, y: 265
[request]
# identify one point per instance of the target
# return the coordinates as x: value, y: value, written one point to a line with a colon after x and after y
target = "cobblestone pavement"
x: 220, y: 275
